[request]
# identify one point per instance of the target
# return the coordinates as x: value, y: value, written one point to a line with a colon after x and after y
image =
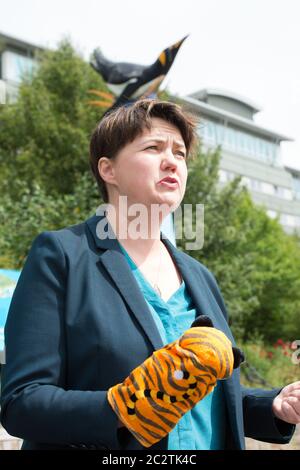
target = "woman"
x: 95, y: 300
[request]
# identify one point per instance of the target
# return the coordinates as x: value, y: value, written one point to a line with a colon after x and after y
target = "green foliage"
x: 45, y: 180
x: 272, y: 363
x: 256, y: 264
x: 45, y: 134
x: 36, y: 211
x: 45, y: 184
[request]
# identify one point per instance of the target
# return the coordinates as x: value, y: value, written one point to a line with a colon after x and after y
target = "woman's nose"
x: 169, y: 158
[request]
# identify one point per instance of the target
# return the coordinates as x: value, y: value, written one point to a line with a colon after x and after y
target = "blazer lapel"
x: 113, y: 260
x: 201, y: 294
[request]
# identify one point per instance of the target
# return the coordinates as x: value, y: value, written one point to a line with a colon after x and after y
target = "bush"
x: 273, y: 363
x: 36, y: 211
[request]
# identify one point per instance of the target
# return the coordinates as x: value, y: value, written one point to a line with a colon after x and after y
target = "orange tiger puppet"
x: 156, y: 394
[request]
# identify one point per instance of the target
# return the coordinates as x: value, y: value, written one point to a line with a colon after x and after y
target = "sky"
x: 249, y: 47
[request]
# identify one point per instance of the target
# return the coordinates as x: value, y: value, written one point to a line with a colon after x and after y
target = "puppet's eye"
x: 178, y: 374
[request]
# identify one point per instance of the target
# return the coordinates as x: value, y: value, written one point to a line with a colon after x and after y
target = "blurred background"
x: 239, y: 71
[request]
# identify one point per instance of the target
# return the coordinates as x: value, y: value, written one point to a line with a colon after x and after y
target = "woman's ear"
x: 106, y: 169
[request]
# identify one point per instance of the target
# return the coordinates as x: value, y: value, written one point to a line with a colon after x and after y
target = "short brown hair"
x: 122, y: 125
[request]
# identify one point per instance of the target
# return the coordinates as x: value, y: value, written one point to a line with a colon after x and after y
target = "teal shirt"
x: 203, y: 427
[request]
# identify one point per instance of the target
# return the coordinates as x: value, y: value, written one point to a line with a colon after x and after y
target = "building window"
x: 16, y: 66
x: 245, y: 181
x: 239, y: 141
x: 2, y: 92
x: 256, y: 185
x: 296, y: 186
x: 272, y: 214
x: 290, y: 220
x: 222, y: 176
x: 288, y: 194
x: 267, y: 188
x: 226, y: 176
x: 283, y: 193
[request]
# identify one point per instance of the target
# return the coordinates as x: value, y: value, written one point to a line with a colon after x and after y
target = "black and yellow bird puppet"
x: 129, y: 82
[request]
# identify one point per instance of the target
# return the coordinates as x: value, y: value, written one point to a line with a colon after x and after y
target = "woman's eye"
x: 151, y: 147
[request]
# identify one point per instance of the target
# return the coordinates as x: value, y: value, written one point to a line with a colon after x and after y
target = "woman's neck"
x: 141, y: 238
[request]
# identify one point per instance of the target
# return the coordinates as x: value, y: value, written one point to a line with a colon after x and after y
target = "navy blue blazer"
x: 78, y: 324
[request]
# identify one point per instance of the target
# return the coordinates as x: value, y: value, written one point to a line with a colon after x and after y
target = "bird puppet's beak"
x: 169, y: 54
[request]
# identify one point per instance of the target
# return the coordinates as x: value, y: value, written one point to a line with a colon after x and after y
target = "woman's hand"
x: 286, y: 406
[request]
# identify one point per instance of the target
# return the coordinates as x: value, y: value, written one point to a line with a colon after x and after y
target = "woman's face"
x: 139, y: 167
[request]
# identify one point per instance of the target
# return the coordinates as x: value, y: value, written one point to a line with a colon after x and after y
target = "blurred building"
x: 248, y: 150
x: 17, y: 60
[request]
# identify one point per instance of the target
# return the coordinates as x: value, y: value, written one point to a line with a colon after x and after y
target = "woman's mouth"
x: 169, y: 182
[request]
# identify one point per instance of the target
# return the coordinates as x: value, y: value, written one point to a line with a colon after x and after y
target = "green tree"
x: 255, y: 262
x: 44, y: 136
x: 45, y: 180
x: 36, y: 211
